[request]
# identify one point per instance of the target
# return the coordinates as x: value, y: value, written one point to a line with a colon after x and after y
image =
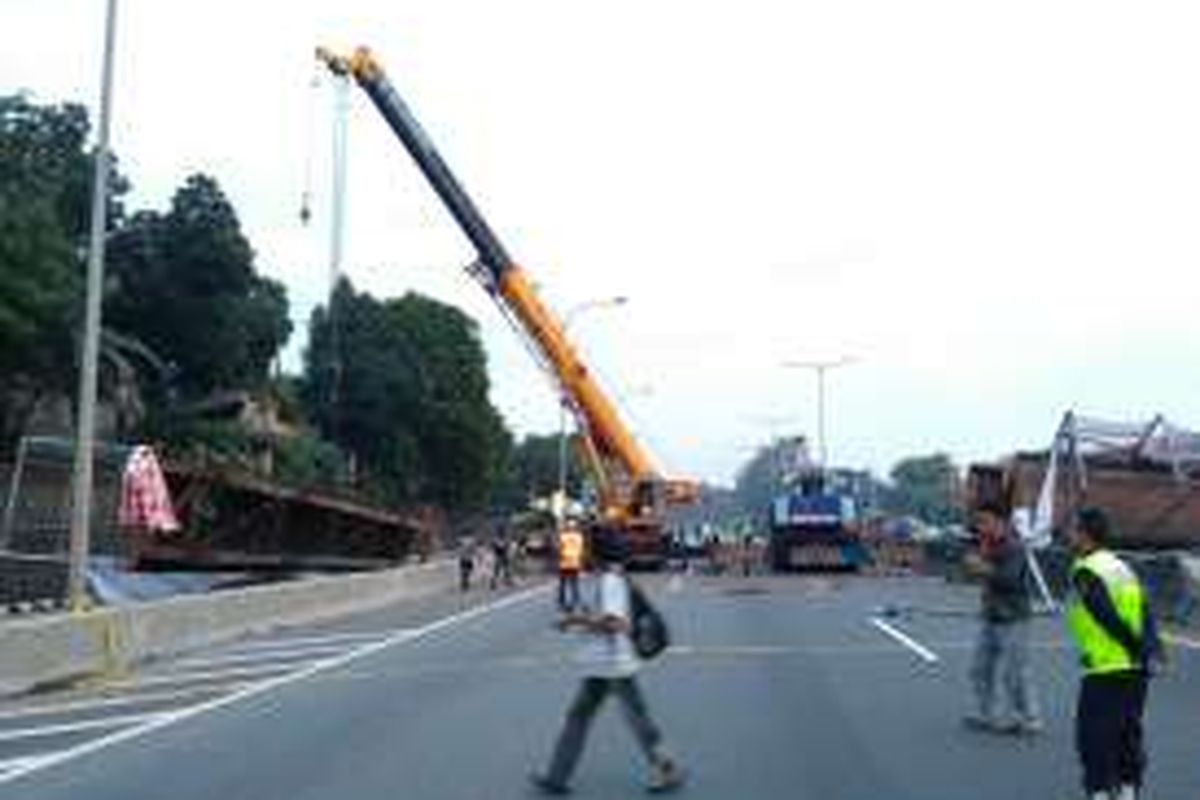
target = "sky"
x: 989, y: 208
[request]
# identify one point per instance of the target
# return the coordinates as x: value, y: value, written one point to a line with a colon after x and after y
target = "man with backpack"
x: 610, y: 664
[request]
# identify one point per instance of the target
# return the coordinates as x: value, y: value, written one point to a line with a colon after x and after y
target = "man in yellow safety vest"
x: 570, y: 564
x: 1114, y: 630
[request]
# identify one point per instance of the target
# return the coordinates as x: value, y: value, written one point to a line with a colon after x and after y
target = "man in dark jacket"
x: 1002, y: 649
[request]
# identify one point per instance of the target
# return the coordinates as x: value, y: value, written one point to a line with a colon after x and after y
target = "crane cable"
x: 306, y: 196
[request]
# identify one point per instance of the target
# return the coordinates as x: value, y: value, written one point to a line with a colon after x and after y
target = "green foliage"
x: 758, y: 481
x: 925, y: 487
x: 532, y: 470
x: 184, y: 283
x: 45, y: 178
x: 200, y: 441
x: 402, y: 384
x: 308, y: 461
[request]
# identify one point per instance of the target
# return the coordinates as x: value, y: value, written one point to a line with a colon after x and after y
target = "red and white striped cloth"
x: 145, y: 499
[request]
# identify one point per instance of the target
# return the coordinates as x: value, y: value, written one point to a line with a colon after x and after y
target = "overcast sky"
x: 992, y: 207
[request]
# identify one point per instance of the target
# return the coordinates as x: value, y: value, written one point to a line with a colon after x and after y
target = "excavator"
x: 633, y: 495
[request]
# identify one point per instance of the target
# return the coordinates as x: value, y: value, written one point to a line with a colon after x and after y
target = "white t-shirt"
x: 608, y: 655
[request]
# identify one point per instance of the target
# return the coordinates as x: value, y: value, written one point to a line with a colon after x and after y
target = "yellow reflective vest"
x: 570, y: 550
x: 1102, y: 653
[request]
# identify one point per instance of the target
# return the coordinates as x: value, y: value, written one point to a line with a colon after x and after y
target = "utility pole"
x: 81, y: 507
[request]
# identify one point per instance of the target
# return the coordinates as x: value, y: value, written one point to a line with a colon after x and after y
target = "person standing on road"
x: 466, y: 562
x: 1110, y: 620
x: 570, y: 564
x: 1002, y: 649
x: 611, y: 666
x: 501, y: 559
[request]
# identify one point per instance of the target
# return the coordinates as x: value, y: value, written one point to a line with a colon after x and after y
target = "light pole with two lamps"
x: 563, y: 401
x: 821, y: 368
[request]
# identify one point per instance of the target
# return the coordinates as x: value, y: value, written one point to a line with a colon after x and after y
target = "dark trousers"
x: 1108, y: 730
x: 501, y: 571
x: 591, y: 695
x: 568, y: 589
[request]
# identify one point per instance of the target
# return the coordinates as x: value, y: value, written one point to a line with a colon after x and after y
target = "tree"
x: 533, y: 469
x: 184, y: 283
x: 760, y: 479
x: 402, y: 384
x: 45, y: 180
x: 926, y: 487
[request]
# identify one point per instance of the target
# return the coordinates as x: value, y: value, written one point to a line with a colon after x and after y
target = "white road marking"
x: 261, y: 656
x: 1182, y: 641
x: 306, y: 641
x: 75, y: 727
x: 903, y: 638
x: 675, y: 584
x: 173, y: 717
x: 16, y: 763
x: 206, y: 676
x: 110, y: 702
x: 739, y: 650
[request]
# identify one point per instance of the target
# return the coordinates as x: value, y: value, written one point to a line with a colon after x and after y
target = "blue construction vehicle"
x: 814, y: 526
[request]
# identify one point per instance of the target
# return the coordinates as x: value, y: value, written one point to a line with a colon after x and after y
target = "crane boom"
x: 639, y: 485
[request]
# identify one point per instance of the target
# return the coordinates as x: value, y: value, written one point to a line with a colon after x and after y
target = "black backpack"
x: 648, y: 629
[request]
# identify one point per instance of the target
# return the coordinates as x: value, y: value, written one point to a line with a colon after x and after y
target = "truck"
x: 1144, y: 474
x: 814, y: 526
x: 632, y: 492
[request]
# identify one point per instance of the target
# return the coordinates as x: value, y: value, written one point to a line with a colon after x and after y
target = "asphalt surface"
x: 777, y: 687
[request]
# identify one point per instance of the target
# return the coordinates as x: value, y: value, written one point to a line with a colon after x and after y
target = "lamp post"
x: 821, y: 367
x: 563, y: 401
x: 81, y: 500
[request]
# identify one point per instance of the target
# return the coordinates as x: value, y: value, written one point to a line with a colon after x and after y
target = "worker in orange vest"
x: 570, y: 564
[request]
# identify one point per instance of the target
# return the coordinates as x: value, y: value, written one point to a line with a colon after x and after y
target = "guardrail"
x: 109, y: 641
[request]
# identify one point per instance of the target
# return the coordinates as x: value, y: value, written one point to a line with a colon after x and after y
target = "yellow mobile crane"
x: 633, y: 493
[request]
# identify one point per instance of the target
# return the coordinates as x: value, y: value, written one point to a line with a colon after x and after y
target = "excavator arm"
x: 631, y: 486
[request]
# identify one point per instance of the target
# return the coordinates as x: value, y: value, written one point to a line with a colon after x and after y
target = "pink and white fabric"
x: 145, y: 499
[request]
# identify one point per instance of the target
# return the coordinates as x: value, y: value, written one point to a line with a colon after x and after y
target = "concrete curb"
x: 109, y: 641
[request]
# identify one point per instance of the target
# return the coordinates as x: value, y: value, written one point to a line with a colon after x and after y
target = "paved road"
x: 777, y: 688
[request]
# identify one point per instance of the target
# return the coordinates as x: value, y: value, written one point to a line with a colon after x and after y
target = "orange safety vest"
x: 570, y: 550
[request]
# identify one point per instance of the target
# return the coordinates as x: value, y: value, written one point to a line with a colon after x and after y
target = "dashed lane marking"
x: 18, y: 763
x: 204, y: 676
x: 262, y: 656
x: 903, y: 638
x: 1182, y: 641
x: 355, y: 637
x: 143, y: 698
x: 42, y: 731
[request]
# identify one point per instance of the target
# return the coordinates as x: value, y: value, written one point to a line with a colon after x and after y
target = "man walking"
x: 1110, y: 621
x: 610, y: 668
x: 1002, y: 649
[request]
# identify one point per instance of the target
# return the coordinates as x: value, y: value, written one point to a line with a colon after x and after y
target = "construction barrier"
x: 111, y: 640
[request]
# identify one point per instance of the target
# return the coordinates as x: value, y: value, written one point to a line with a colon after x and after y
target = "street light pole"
x: 564, y: 401
x: 821, y: 368
x: 85, y: 433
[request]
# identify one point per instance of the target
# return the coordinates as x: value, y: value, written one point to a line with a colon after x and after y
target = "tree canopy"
x: 759, y: 480
x: 925, y: 487
x: 184, y: 283
x: 402, y: 384
x: 533, y: 469
x: 45, y: 181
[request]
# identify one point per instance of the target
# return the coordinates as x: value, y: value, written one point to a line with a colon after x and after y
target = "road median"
x: 108, y: 641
